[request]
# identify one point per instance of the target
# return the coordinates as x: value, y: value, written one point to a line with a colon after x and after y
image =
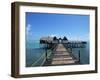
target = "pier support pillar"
x: 79, y: 55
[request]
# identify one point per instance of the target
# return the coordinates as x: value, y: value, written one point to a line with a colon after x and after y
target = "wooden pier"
x: 60, y: 53
x: 61, y: 56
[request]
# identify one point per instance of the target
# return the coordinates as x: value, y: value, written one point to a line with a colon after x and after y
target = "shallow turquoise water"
x: 84, y: 54
x: 33, y: 52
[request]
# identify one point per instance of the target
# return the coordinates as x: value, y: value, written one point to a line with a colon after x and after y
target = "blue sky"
x: 74, y: 27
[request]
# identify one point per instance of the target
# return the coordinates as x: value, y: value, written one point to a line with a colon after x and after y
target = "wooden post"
x: 79, y: 55
x: 46, y: 52
x: 70, y: 49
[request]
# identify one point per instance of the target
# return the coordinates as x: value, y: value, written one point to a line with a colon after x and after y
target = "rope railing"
x: 49, y: 51
x: 38, y: 59
x: 73, y: 55
x: 43, y: 62
x: 43, y: 55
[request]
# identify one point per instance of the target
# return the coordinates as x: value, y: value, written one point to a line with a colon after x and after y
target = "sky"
x: 74, y: 27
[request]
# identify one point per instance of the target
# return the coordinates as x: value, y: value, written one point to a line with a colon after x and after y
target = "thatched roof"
x: 48, y: 39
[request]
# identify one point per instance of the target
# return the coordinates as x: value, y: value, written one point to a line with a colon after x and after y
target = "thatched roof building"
x: 46, y: 39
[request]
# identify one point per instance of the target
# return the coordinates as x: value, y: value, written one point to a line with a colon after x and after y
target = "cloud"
x: 57, y: 35
x: 52, y: 35
x: 28, y: 29
x: 29, y: 33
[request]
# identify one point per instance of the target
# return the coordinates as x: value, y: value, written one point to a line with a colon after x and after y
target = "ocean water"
x: 35, y: 54
x: 84, y: 54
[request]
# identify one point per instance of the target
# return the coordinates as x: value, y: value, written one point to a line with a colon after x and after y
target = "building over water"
x: 47, y: 39
x: 64, y: 40
x: 54, y: 39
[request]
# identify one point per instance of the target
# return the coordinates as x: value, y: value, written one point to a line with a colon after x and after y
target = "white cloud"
x: 58, y: 36
x: 28, y: 29
x: 52, y: 35
x: 29, y: 33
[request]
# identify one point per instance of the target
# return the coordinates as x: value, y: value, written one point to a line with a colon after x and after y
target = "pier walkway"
x: 61, y: 56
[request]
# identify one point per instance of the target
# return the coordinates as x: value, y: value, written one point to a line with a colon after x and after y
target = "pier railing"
x: 76, y: 56
x: 49, y: 47
x: 45, y: 56
x: 74, y: 44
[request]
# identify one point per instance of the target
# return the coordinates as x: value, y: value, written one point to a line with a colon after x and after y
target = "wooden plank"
x: 63, y: 62
x: 62, y: 56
